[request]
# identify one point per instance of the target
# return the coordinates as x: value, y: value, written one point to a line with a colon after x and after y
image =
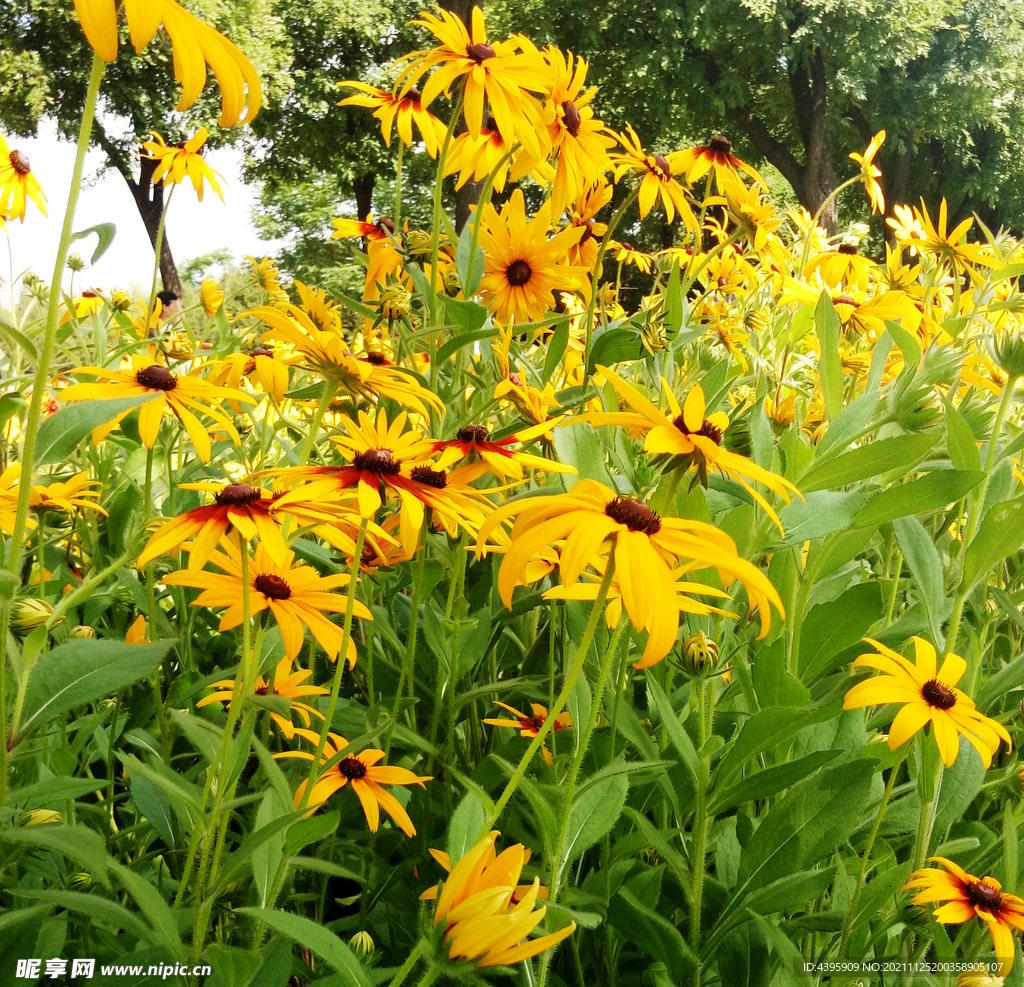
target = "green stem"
x: 560, y: 702
x: 891, y: 605
x: 705, y: 714
x: 866, y: 858
x: 436, y: 227
x: 13, y: 561
x: 929, y: 802
x: 398, y: 187
x: 406, y: 968
x: 330, y: 388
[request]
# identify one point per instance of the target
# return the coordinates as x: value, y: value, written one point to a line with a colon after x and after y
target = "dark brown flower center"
x: 20, y: 163
x: 983, y: 896
x: 490, y: 123
x: 515, y: 379
x: 848, y: 248
x: 261, y: 351
x: 518, y: 273
x: 376, y: 359
x: 571, y: 118
x: 536, y: 722
x: 626, y: 246
x: 588, y: 231
x: 157, y: 377
x: 414, y: 95
x: 379, y: 461
x: 938, y: 695
x: 237, y: 494
x: 352, y: 768
x: 633, y: 514
x: 90, y: 294
x: 661, y: 162
x: 720, y: 145
x: 473, y: 433
x: 273, y: 586
x: 480, y: 53
x: 431, y: 478
x: 846, y: 300
x: 261, y: 690
x: 384, y: 223
x: 706, y: 429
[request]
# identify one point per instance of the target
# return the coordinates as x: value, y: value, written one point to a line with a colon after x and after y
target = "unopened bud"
x: 177, y: 346
x: 1009, y: 354
x: 395, y: 302
x: 75, y: 262
x: 28, y: 614
x: 419, y: 243
x: 83, y: 632
x: 701, y: 651
x: 121, y: 300
x: 362, y: 943
x: 452, y: 282
x: 81, y: 881
x: 39, y: 816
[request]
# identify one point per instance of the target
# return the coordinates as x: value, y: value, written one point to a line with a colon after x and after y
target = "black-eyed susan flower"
x: 658, y: 180
x: 195, y: 45
x: 584, y: 212
x: 17, y: 184
x: 182, y: 396
x: 967, y: 897
x: 286, y: 683
x: 66, y: 495
x: 296, y: 596
x: 928, y: 697
x: 717, y: 157
x: 869, y: 173
x: 476, y: 155
x: 211, y: 296
x: 364, y: 773
x: 88, y: 303
x: 646, y: 547
x: 754, y: 218
x: 180, y: 161
x: 398, y: 112
x: 501, y: 73
x: 265, y: 276
x: 263, y: 365
x: 493, y: 869
x: 946, y: 247
x: 251, y: 511
x: 843, y: 266
x: 626, y: 253
x: 522, y: 267
x: 501, y: 459
x: 530, y: 726
x: 689, y: 434
x: 482, y: 923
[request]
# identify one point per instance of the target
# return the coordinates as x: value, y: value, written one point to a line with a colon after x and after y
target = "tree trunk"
x: 363, y: 185
x: 149, y: 199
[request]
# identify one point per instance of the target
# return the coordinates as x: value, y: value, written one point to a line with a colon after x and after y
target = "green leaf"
x: 1000, y: 535
x: 791, y: 891
x: 960, y: 786
x: 653, y: 932
x: 614, y: 346
x: 154, y: 806
x: 465, y: 825
x: 52, y: 791
x: 313, y: 936
x: 771, y: 780
x: 1007, y: 678
x: 312, y: 830
x: 901, y: 452
x: 10, y: 405
x: 100, y: 911
x: 60, y: 434
x: 923, y: 558
x: 266, y: 858
x: 677, y: 735
x: 927, y: 493
x: 462, y: 252
x: 909, y: 347
x: 830, y: 628
x: 673, y: 302
x: 465, y: 316
x: 594, y: 813
x: 104, y: 233
x: 960, y: 441
x: 579, y: 446
x: 852, y: 420
x: 820, y: 513
x: 466, y: 339
x: 76, y: 842
x: 830, y: 372
x: 80, y: 672
x: 151, y: 903
x: 556, y: 350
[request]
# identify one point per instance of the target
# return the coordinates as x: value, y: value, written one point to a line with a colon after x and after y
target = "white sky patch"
x: 193, y: 227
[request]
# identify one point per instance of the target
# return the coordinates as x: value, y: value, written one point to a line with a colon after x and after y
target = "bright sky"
x: 193, y: 228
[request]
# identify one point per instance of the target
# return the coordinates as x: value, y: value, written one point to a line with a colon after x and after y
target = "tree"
x: 139, y: 91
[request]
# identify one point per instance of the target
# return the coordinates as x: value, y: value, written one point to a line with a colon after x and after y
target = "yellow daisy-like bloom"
x: 658, y: 180
x: 581, y: 140
x: 475, y: 156
x: 499, y: 72
x: 365, y: 775
x: 211, y: 295
x: 89, y: 303
x: 399, y: 112
x: 754, y: 217
x: 136, y: 634
x: 688, y: 434
x: 522, y: 267
x: 967, y: 897
x: 489, y: 873
x: 195, y: 46
x: 503, y: 461
x: 530, y: 726
x: 181, y: 161
x: 295, y: 595
x: 267, y: 278
x: 287, y: 684
x: 586, y: 208
x: 328, y: 354
x: 844, y: 266
x: 263, y: 366
x: 65, y: 495
x: 482, y: 923
x: 646, y: 547
x: 17, y: 184
x: 718, y: 158
x: 927, y: 697
x: 869, y: 173
x: 9, y: 480
x: 947, y: 248
x: 181, y: 396
x: 626, y: 253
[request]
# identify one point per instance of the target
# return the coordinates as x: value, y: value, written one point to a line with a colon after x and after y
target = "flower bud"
x: 395, y: 302
x: 701, y: 651
x: 81, y: 881
x: 362, y: 943
x: 121, y: 300
x: 452, y: 282
x: 28, y: 614
x: 1009, y: 353
x: 39, y: 816
x: 83, y: 633
x: 419, y: 243
x: 177, y: 346
x: 75, y: 262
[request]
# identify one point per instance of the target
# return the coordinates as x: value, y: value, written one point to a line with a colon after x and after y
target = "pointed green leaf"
x: 927, y: 493
x: 60, y: 434
x: 830, y: 372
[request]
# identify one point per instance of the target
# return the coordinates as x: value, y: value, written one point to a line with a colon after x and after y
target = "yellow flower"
x: 522, y: 267
x: 947, y: 248
x: 88, y: 304
x: 503, y: 461
x: 17, y: 184
x: 181, y: 396
x: 753, y: 216
x: 403, y: 110
x: 475, y: 156
x: 869, y: 173
x: 181, y: 161
x: 136, y: 634
x: 928, y: 697
x: 482, y: 925
x: 530, y: 726
x: 658, y: 179
x: 365, y: 775
x: 195, y: 45
x: 65, y: 495
x: 967, y: 897
x: 211, y: 295
x: 716, y: 156
x: 267, y: 277
x: 626, y: 253
x: 295, y: 595
x: 499, y: 72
